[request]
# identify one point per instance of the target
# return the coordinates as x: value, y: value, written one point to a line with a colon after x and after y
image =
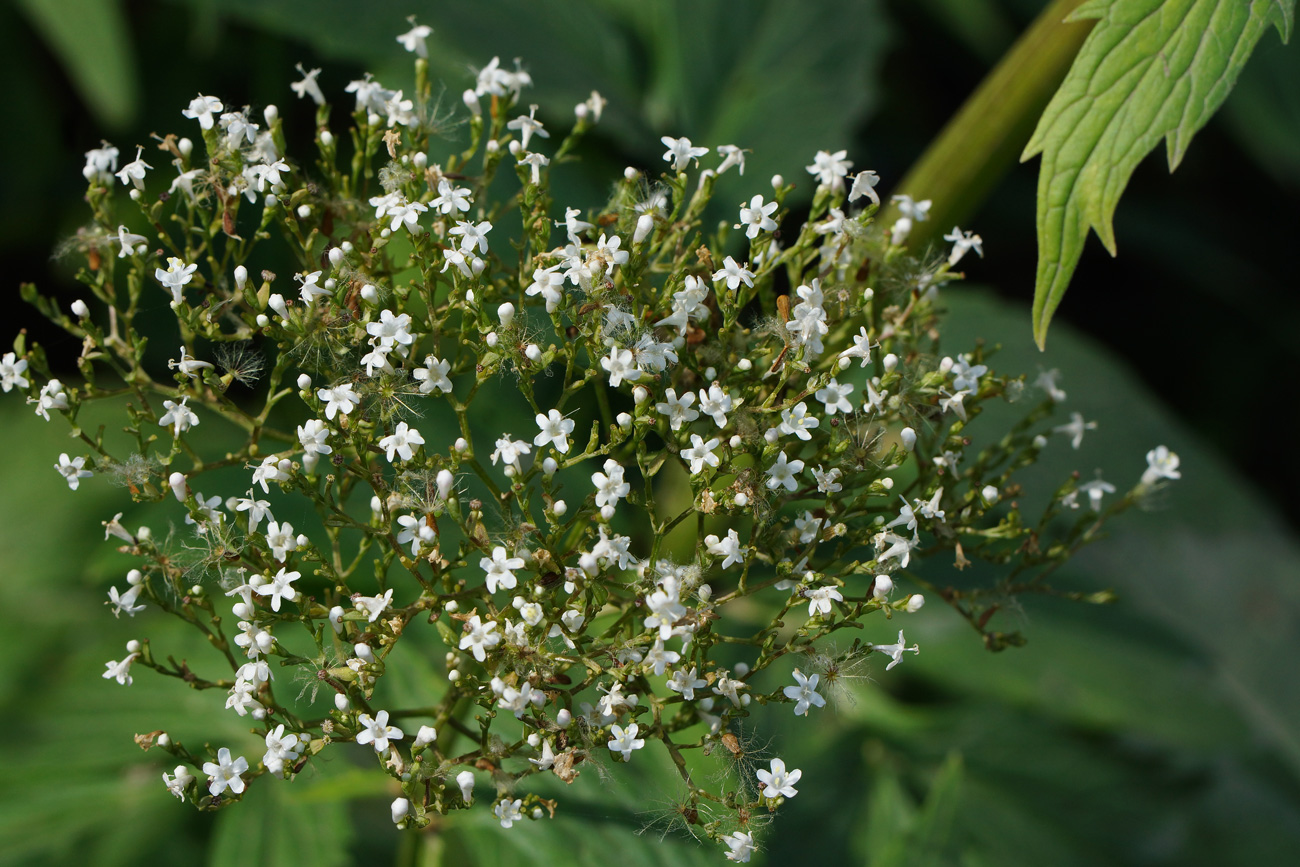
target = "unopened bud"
x: 644, y: 224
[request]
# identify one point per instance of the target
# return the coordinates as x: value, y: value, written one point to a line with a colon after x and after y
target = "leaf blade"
x: 1150, y: 69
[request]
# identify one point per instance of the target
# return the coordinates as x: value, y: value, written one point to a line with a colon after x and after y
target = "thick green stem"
x: 985, y: 137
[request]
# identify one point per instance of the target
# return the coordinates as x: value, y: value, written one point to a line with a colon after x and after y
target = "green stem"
x: 984, y: 138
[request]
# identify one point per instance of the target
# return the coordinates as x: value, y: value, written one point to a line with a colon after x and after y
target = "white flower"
x: 509, y: 811
x: 373, y: 606
x: 433, y: 375
x: 782, y: 473
x: 620, y: 366
x: 391, y: 330
x: 178, y: 781
x: 962, y: 242
x: 686, y: 683
x: 401, y: 441
x: 830, y: 169
x: 728, y: 548
x: 757, y: 217
x: 740, y: 845
x: 225, y: 774
x: 508, y: 451
x: 834, y: 397
x: 864, y: 184
x: 680, y: 153
x: 895, y: 651
x: 555, y: 429
x: 528, y: 126
x: 624, y: 741
x: 52, y: 396
x: 733, y: 274
x: 820, y: 599
x: 731, y: 156
x: 413, y: 40
x: 450, y: 199
x: 377, y: 731
x: 700, y: 453
x: 281, y: 748
x: 1161, y: 464
x: 778, y: 782
x: 120, y: 671
x: 610, y: 487
x: 279, y: 587
x: 11, y: 372
x: 716, y: 403
x: 861, y: 348
x: 72, y: 469
x: 179, y: 416
x: 797, y: 421
x: 499, y: 569
x: 677, y: 409
x: 827, y: 481
x: 341, y: 398
x: 1075, y: 428
x: 804, y: 693
x: 175, y: 277
x: 480, y: 637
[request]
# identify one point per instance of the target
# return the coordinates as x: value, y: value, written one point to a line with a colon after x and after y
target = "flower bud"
x: 492, y: 146
x: 884, y: 584
x: 742, y: 499
x: 890, y: 361
x: 909, y: 438
x: 304, y: 382
x: 133, y: 646
x: 134, y: 577
x: 79, y: 309
x: 470, y: 98
x: 506, y: 312
x: 564, y: 718
x: 465, y: 780
x: 271, y: 200
x: 492, y: 340
x: 644, y: 224
x: 607, y: 513
x: 400, y: 808
x: 304, y: 211
x: 241, y: 277
x: 177, y: 483
x: 549, y: 466
x: 336, y: 619
x: 945, y: 366
x: 624, y: 421
x: 421, y: 160
x: 990, y: 494
x: 271, y: 113
x: 744, y: 364
x: 363, y: 651
x: 425, y: 736
x: 445, y: 482
x: 559, y: 507
x: 327, y: 138
x: 336, y: 256
x: 370, y: 294
x: 186, y: 147
x: 640, y: 394
x: 915, y: 602
x: 631, y: 173
x: 533, y: 352
x: 777, y: 182
x: 276, y: 303
x: 263, y: 320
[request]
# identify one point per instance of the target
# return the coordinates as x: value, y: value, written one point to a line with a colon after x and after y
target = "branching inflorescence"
x: 766, y: 420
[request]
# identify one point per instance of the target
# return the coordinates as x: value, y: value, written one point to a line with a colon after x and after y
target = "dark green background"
x: 1162, y: 730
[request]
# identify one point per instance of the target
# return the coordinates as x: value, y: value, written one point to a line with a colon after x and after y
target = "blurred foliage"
x: 1162, y: 730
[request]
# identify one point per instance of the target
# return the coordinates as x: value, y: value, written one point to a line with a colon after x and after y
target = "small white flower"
x: 778, y: 782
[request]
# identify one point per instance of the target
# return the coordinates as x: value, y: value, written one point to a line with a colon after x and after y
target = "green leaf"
x: 1150, y: 69
x: 93, y: 43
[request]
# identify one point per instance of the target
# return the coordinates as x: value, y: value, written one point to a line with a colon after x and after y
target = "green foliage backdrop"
x: 1162, y: 730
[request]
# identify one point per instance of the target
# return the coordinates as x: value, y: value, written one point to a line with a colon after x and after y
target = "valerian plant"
x: 709, y: 421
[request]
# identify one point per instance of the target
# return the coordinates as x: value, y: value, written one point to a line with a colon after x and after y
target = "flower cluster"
x: 675, y: 428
